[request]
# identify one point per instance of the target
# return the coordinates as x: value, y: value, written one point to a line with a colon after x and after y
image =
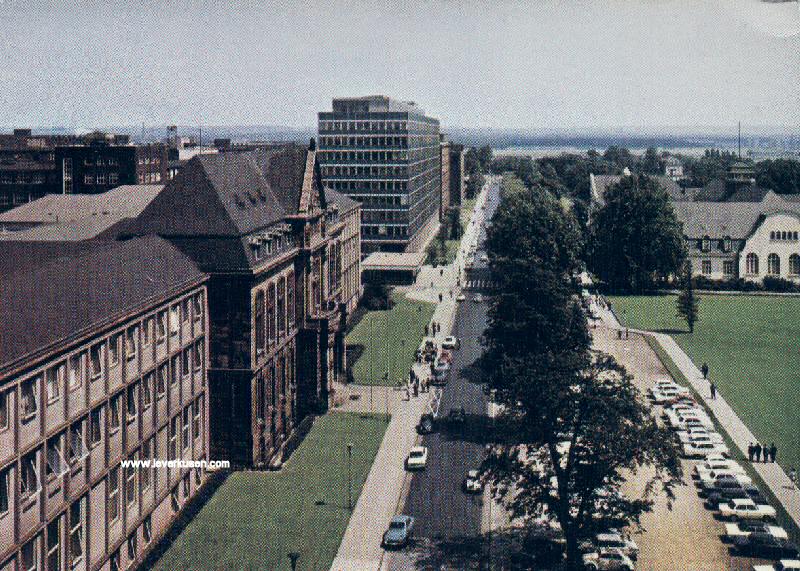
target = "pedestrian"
x: 750, y: 451
x: 793, y: 477
x: 431, y: 284
x: 426, y: 330
x: 757, y: 451
x: 408, y: 393
x: 451, y: 294
x: 441, y: 272
x: 627, y: 333
x: 773, y: 451
x: 416, y: 388
x: 440, y: 298
x: 619, y: 333
x: 704, y: 370
x: 713, y: 388
x: 765, y: 453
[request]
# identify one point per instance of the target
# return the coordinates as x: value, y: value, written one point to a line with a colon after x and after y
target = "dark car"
x: 724, y: 495
x: 399, y: 533
x: 457, y: 415
x: 765, y: 545
x: 425, y: 425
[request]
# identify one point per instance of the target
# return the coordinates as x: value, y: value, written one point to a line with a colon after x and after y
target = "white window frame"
x: 54, y: 383
x: 75, y: 381
x: 27, y: 411
x: 54, y: 456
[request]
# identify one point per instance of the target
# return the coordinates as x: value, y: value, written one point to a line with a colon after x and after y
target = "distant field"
x: 752, y: 347
x: 256, y: 518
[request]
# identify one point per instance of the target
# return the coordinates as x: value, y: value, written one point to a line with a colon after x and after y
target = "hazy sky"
x: 487, y: 64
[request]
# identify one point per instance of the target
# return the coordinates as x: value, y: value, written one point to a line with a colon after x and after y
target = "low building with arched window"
x: 749, y: 240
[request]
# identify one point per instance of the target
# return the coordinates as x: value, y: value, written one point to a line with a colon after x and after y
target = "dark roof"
x: 344, y: 202
x: 718, y: 191
x: 69, y: 295
x: 228, y: 194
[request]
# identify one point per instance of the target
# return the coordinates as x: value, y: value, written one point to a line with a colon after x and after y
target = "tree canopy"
x: 635, y: 238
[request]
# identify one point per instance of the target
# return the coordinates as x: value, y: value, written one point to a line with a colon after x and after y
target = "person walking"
x: 757, y: 451
x: 773, y: 452
x: 750, y: 451
x: 793, y: 477
x: 713, y: 389
x: 765, y: 453
x: 704, y: 370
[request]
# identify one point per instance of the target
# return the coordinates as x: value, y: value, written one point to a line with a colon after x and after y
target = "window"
x: 147, y: 530
x: 794, y: 265
x: 727, y: 267
x: 114, y: 561
x: 131, y: 342
x: 176, y: 369
x: 706, y: 267
x: 198, y: 477
x: 96, y: 427
x: 281, y: 307
x: 187, y: 488
x: 174, y: 320
x: 260, y: 332
x: 113, y: 407
x: 54, y: 378
x: 197, y: 303
x: 113, y: 349
x: 187, y: 437
x: 130, y: 484
x: 146, y: 454
x: 726, y: 244
x: 196, y: 419
x: 54, y: 544
x: 186, y: 361
x: 28, y: 392
x: 270, y: 314
x: 147, y: 390
x: 96, y: 360
x: 77, y: 521
x: 161, y: 326
x: 4, y: 490
x: 3, y: 410
x: 131, y: 401
x: 185, y: 309
x: 173, y: 500
x: 30, y: 555
x: 132, y: 549
x: 197, y: 358
x: 147, y: 331
x: 29, y: 478
x: 113, y: 494
x: 290, y: 301
x: 161, y: 379
x: 173, y: 438
x: 75, y: 371
x: 751, y: 264
x: 76, y: 444
x: 773, y: 264
x: 56, y: 465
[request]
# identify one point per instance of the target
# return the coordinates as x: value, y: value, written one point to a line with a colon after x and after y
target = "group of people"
x: 623, y: 333
x: 415, y: 384
x: 434, y: 328
x: 758, y: 453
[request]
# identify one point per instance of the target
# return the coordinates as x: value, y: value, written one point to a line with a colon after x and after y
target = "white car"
x: 668, y: 394
x: 417, y: 458
x: 608, y: 559
x: 472, y: 483
x: 613, y: 539
x: 484, y: 258
x: 461, y: 297
x: 451, y: 342
x: 703, y: 449
x: 478, y: 298
x: 745, y: 528
x: 717, y: 463
x: 710, y: 480
x: 746, y: 509
x: 699, y: 434
x: 782, y: 565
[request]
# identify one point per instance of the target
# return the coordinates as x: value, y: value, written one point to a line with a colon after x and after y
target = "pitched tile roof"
x: 72, y: 293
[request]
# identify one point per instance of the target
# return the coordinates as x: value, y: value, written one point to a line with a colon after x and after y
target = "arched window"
x: 772, y: 235
x: 794, y: 265
x: 783, y: 235
x: 706, y: 243
x: 726, y: 244
x: 752, y: 264
x: 773, y: 264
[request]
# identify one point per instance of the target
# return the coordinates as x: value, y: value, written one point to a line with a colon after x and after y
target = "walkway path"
x: 773, y: 475
x: 387, y: 482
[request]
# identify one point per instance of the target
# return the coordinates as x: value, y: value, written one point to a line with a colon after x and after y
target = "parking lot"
x: 679, y: 534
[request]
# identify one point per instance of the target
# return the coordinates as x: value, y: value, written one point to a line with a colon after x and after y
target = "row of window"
x: 149, y: 178
x: 773, y: 264
x: 101, y: 178
x: 23, y: 178
x: 384, y: 230
x: 365, y: 171
x: 355, y: 126
x: 266, y: 246
x: 783, y: 235
x: 350, y: 186
x: 329, y: 143
x: 724, y: 244
x: 100, y: 161
x: 274, y: 311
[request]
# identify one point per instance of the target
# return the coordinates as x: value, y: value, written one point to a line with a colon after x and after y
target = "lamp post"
x: 293, y: 557
x: 349, y: 477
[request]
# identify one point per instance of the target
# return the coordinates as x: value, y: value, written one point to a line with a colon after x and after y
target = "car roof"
x: 740, y: 501
x: 418, y: 449
x: 402, y: 518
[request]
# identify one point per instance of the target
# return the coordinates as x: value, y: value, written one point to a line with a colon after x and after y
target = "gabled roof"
x: 70, y: 294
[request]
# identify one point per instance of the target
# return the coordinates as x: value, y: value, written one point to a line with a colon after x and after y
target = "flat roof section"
x: 382, y: 261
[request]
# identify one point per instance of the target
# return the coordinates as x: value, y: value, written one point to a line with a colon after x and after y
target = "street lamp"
x: 293, y: 557
x: 349, y: 477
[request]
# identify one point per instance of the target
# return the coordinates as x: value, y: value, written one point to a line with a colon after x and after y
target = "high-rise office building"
x: 385, y: 154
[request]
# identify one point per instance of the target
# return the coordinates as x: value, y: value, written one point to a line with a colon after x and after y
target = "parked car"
x: 765, y: 545
x: 426, y: 424
x: 717, y: 463
x: 740, y: 509
x: 472, y: 483
x: 745, y: 528
x: 458, y: 415
x: 613, y: 539
x: 478, y: 298
x: 702, y: 449
x: 782, y: 565
x: 731, y: 491
x: 451, y: 342
x: 417, y: 458
x: 607, y: 559
x: 401, y: 528
x: 712, y: 479
x: 461, y: 297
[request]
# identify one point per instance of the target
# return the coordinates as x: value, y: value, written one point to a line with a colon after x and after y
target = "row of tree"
x: 573, y: 426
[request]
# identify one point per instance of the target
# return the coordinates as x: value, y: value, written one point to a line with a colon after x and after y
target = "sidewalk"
x: 387, y: 482
x: 773, y: 475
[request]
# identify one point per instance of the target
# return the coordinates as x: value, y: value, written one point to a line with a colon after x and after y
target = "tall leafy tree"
x: 780, y: 175
x: 635, y: 240
x: 573, y: 424
x: 687, y: 302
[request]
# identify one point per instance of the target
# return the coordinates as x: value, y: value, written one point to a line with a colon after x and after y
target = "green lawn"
x: 752, y: 347
x: 404, y: 326
x: 256, y: 518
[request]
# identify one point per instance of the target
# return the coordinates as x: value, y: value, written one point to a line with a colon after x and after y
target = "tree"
x: 651, y: 162
x: 780, y: 175
x: 635, y: 238
x: 453, y: 221
x: 473, y: 172
x: 572, y: 422
x: 687, y: 302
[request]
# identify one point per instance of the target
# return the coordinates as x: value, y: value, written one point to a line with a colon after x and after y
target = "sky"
x: 500, y: 64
